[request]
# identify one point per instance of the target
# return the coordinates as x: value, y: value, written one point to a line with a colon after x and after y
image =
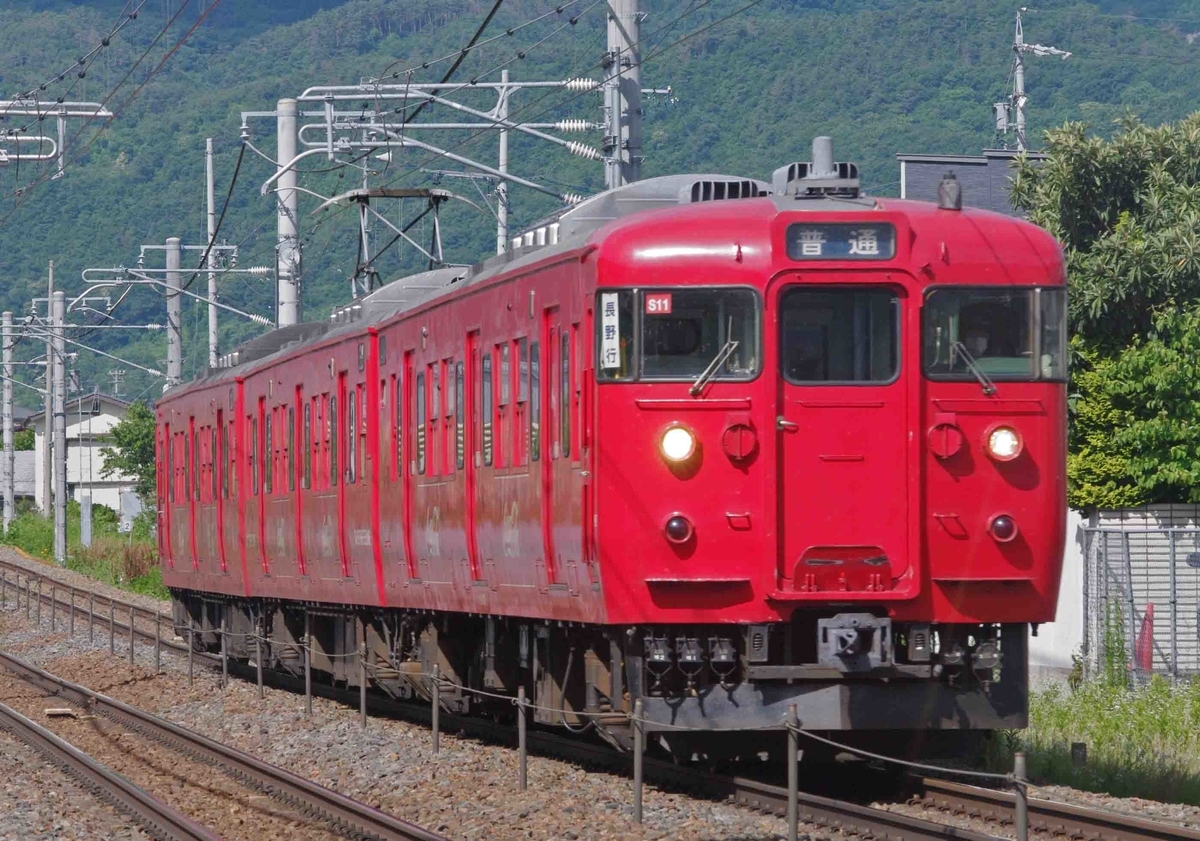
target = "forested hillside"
x: 750, y: 90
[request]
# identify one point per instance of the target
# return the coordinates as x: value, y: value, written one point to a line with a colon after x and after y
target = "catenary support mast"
x: 174, y: 315
x: 6, y: 320
x: 287, y: 248
x: 58, y: 308
x: 623, y: 94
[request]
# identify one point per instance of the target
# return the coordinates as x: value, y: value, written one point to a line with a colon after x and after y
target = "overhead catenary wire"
x: 83, y: 62
x: 24, y: 192
x: 449, y: 74
x: 520, y: 111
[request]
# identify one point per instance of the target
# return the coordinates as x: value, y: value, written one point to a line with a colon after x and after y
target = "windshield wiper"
x: 959, y: 349
x: 711, y: 371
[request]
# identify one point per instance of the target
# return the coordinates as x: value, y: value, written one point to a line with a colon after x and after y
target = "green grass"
x: 1142, y: 741
x: 126, y: 561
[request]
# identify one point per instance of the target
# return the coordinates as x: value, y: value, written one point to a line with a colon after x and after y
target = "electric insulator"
x: 573, y: 125
x: 581, y: 84
x: 571, y: 198
x: 583, y: 150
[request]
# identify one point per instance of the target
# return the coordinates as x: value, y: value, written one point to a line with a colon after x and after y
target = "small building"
x: 986, y: 179
x: 90, y: 420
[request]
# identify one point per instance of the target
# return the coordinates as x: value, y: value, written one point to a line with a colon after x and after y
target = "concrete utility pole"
x: 48, y: 403
x: 6, y: 333
x: 623, y: 94
x: 58, y: 309
x: 287, y: 247
x: 212, y: 255
x: 502, y: 167
x: 174, y: 315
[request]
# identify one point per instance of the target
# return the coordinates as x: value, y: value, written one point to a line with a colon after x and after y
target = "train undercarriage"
x: 912, y: 689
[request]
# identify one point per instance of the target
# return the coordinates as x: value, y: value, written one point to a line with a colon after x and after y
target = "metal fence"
x: 1141, y: 599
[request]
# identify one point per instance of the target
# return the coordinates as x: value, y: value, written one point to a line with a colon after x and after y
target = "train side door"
x: 842, y: 421
x: 473, y: 393
x: 556, y: 457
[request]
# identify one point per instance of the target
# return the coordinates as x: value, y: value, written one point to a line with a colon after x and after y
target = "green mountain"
x: 752, y: 83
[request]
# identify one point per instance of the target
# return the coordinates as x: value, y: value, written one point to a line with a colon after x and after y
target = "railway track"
x: 336, y: 811
x: 1046, y: 818
x: 157, y: 818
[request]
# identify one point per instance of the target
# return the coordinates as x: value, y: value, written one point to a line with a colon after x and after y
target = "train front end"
x: 830, y: 464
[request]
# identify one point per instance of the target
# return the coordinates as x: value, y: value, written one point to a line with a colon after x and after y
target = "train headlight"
x: 1003, y: 528
x: 1003, y: 443
x: 678, y: 444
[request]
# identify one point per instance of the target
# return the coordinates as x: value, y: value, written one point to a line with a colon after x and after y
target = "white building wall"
x: 86, y: 437
x: 1051, y: 650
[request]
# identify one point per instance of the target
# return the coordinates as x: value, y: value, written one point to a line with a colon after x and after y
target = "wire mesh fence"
x: 1142, y: 599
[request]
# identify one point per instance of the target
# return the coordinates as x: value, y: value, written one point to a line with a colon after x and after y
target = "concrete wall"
x: 1051, y: 650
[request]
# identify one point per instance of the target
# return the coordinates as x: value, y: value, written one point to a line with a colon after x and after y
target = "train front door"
x: 841, y: 425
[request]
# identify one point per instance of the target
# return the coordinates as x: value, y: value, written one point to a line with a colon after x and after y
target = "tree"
x: 23, y: 440
x: 132, y: 452
x: 1127, y: 211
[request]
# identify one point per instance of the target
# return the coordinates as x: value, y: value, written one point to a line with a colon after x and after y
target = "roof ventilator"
x: 822, y: 177
x: 712, y: 190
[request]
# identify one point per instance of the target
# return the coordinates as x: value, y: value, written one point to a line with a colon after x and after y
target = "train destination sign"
x: 841, y: 241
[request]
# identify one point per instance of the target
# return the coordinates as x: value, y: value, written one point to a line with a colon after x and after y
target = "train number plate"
x: 658, y: 303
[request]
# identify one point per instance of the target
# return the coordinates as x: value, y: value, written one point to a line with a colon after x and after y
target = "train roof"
x: 823, y: 186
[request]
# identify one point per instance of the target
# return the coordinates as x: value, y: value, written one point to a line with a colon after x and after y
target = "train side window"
x: 448, y: 415
x: 291, y: 448
x: 535, y: 403
x: 503, y: 410
x: 520, y: 446
x: 361, y: 431
x: 434, y: 412
x: 334, y: 440
x: 398, y: 393
x: 195, y: 465
x: 253, y: 452
x: 268, y: 452
x: 419, y: 400
x: 565, y: 392
x: 170, y: 464
x: 486, y: 414
x: 224, y: 456
x: 460, y: 433
x: 306, y: 479
x: 213, y: 462
x: 351, y: 436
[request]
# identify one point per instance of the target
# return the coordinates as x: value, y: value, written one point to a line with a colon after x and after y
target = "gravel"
x: 39, y: 802
x: 466, y: 791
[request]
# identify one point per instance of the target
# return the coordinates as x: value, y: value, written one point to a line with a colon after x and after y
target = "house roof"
x: 86, y: 400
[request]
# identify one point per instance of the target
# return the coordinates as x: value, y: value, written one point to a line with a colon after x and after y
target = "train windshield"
x: 677, y: 334
x: 1003, y: 334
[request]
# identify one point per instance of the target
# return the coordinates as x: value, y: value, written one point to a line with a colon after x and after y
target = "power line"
x: 520, y: 111
x: 24, y: 193
x: 449, y: 74
x: 83, y: 62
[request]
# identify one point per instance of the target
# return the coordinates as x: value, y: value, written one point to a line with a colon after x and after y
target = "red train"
x: 713, y: 443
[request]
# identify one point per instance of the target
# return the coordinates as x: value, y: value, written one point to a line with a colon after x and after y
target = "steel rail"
x: 1047, y: 816
x: 345, y: 814
x: 157, y: 818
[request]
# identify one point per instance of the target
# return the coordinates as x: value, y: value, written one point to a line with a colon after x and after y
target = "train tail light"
x: 1003, y: 528
x: 679, y: 529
